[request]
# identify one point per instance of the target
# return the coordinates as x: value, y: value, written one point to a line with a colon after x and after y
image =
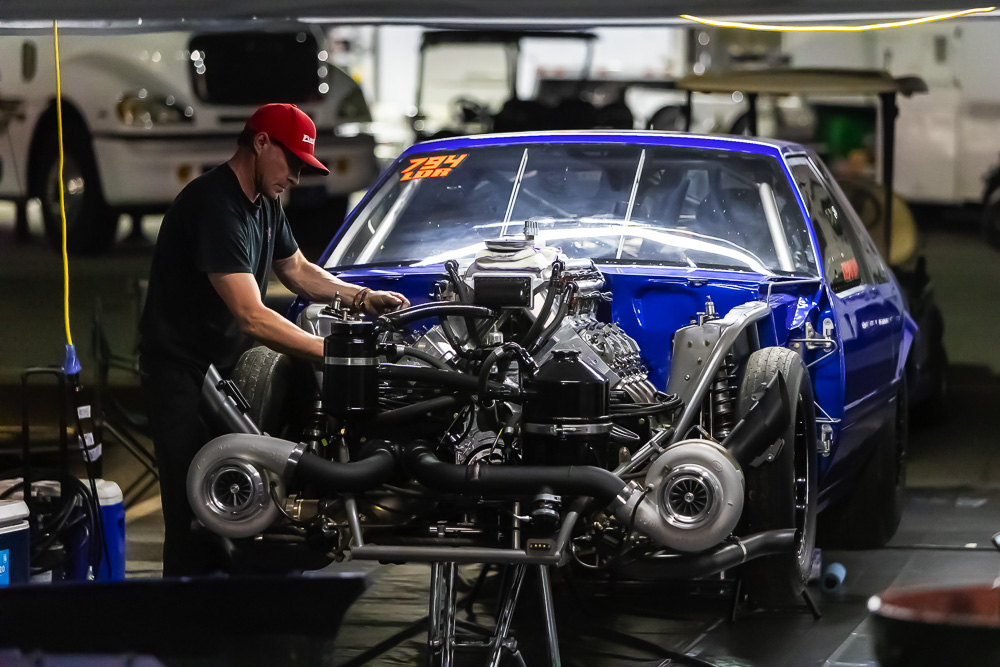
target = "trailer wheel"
x: 90, y: 223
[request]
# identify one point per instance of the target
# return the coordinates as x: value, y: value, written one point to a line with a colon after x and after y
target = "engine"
x: 509, y: 418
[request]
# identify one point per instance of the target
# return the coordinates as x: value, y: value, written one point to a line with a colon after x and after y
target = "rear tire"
x: 781, y: 493
x: 90, y: 223
x: 868, y: 516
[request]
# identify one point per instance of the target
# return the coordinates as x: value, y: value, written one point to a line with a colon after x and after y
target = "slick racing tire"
x: 781, y: 493
x: 868, y: 516
x: 263, y: 377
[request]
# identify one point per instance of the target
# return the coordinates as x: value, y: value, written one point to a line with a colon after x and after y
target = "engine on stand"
x: 506, y: 421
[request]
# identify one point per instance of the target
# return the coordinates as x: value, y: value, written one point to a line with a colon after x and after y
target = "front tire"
x: 781, y: 493
x: 90, y: 223
x: 263, y: 377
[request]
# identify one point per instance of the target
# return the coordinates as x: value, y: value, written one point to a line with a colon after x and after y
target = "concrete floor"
x: 953, y: 505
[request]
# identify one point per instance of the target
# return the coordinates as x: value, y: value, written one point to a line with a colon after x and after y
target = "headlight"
x: 353, y: 108
x: 141, y: 110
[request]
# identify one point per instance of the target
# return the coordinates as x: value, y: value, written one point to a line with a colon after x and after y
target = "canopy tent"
x: 804, y: 81
x: 158, y: 14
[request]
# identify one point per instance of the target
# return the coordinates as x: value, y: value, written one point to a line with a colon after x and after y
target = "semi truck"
x: 144, y: 113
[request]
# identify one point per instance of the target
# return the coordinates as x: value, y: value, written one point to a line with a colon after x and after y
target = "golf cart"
x: 848, y: 117
x: 468, y: 84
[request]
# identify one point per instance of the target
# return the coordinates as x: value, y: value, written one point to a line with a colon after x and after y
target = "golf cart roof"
x: 789, y: 81
x: 436, y: 37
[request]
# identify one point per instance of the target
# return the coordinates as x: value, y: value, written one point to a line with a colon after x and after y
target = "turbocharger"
x: 692, y: 497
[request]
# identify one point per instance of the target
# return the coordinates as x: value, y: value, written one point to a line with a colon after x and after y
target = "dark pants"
x: 172, y: 395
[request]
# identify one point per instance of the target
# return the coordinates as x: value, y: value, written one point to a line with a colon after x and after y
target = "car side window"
x: 877, y: 269
x: 842, y: 256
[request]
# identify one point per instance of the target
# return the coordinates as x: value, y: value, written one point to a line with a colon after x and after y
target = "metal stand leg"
x: 737, y: 595
x: 441, y: 620
x: 550, y: 615
x: 507, y: 614
x: 477, y: 588
x: 813, y: 609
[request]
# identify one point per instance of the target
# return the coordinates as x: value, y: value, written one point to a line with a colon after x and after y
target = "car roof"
x: 741, y: 144
x: 790, y: 81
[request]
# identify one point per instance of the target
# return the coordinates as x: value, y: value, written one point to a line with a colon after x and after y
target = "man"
x: 218, y: 242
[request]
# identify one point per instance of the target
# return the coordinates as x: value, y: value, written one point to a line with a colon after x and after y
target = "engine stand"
x: 813, y: 609
x: 738, y: 599
x: 441, y: 621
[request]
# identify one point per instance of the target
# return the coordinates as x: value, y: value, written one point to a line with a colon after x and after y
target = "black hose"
x: 44, y: 533
x: 399, y: 318
x: 461, y: 289
x: 645, y: 409
x: 567, y: 297
x: 38, y: 548
x: 722, y: 557
x: 505, y: 351
x: 400, y: 351
x: 456, y: 343
x: 434, y: 376
x: 477, y: 479
x: 623, y: 436
x: 417, y: 410
x: 332, y: 477
x: 536, y: 327
x: 464, y: 294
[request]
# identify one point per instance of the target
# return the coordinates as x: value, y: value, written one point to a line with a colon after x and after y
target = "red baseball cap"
x: 292, y: 128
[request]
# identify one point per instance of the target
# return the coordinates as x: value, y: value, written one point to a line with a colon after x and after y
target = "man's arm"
x: 311, y: 282
x: 307, y: 280
x: 242, y: 296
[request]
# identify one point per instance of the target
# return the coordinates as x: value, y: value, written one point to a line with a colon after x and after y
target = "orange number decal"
x: 409, y: 171
x: 437, y: 166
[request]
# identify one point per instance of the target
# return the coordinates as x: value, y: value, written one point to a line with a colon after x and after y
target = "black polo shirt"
x: 210, y: 228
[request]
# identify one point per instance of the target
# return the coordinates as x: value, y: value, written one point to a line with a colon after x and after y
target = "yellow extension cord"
x: 62, y: 193
x: 835, y: 28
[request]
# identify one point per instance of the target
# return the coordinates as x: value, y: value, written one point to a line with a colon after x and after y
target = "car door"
x: 866, y: 321
x: 888, y: 305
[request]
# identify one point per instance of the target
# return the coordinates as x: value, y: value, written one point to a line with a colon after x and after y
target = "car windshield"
x: 613, y: 203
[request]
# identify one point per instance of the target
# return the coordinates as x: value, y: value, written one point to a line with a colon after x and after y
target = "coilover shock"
x: 723, y: 397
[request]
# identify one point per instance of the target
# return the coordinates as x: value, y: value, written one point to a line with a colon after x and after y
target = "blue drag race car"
x: 657, y: 354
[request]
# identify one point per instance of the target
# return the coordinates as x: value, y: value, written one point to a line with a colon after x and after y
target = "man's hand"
x: 381, y: 302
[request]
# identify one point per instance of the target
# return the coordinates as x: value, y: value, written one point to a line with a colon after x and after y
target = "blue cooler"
x: 15, y: 558
x: 112, y: 566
